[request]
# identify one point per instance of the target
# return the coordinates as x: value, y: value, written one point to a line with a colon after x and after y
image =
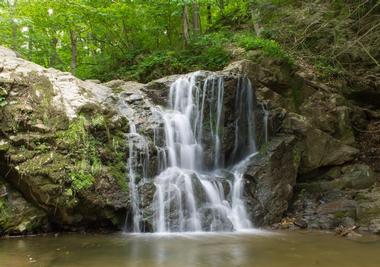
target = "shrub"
x: 269, y: 47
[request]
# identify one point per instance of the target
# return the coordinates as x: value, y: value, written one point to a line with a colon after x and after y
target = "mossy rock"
x: 17, y: 216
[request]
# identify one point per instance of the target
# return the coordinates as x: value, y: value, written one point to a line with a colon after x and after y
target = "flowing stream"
x: 195, y: 189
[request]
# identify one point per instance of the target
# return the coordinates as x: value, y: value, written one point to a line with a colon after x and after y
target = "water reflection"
x: 212, y: 250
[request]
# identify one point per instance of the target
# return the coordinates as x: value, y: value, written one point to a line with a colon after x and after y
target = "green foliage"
x: 98, y: 121
x: 76, y: 135
x: 270, y: 47
x: 80, y: 177
x: 327, y: 69
x: 206, y: 52
x: 3, y: 209
x: 143, y: 40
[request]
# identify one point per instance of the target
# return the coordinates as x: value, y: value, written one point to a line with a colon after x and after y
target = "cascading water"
x: 190, y: 194
x: 265, y: 121
x: 138, y: 158
x: 137, y: 164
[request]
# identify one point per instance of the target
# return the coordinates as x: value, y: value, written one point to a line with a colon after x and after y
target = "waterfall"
x: 137, y: 164
x: 132, y: 180
x: 265, y: 121
x: 190, y: 194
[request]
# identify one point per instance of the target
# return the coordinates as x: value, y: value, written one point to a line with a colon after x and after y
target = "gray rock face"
x: 340, y: 196
x: 330, y: 113
x: 270, y: 179
x: 67, y: 92
x: 331, y: 189
x: 318, y: 148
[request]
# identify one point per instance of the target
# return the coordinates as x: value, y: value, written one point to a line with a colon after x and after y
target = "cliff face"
x: 63, y: 148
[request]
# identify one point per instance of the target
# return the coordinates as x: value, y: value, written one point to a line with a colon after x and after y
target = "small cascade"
x: 132, y: 162
x: 265, y: 121
x: 194, y: 189
x: 138, y: 159
x: 137, y: 165
x: 239, y: 212
x: 245, y: 132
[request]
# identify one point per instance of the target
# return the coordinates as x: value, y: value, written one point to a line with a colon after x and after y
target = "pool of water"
x: 251, y: 249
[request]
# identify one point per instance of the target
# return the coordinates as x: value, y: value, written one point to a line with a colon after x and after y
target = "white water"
x: 265, y: 121
x: 137, y: 165
x: 189, y: 196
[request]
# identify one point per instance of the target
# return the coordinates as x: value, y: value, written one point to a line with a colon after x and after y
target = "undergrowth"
x: 207, y: 52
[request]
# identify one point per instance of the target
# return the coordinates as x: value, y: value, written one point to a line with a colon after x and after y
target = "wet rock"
x: 367, y: 92
x: 158, y: 90
x: 330, y: 113
x: 339, y: 196
x: 374, y: 226
x: 270, y: 178
x: 340, y: 208
x: 355, y: 176
x: 358, y: 176
x: 368, y: 205
x: 4, y: 146
x: 17, y: 216
x: 318, y: 148
x: 134, y: 98
x: 300, y: 223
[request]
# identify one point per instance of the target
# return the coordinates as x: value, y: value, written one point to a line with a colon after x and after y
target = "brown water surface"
x: 255, y: 249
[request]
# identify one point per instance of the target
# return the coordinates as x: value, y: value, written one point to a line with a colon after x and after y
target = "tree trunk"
x: 209, y: 16
x: 185, y: 22
x: 30, y: 44
x: 74, y: 51
x: 221, y: 6
x: 13, y: 6
x: 54, y: 54
x: 196, y: 19
x: 254, y: 18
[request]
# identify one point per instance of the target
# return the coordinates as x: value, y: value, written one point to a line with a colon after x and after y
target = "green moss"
x: 86, y: 139
x: 76, y: 134
x: 41, y: 91
x: 310, y: 187
x: 264, y: 148
x: 98, y: 120
x: 343, y: 214
x: 115, y: 151
x: 4, y: 211
x: 49, y: 164
x: 296, y: 156
x: 296, y: 98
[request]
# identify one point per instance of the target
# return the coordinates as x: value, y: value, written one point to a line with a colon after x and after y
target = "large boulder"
x: 319, y: 149
x: 330, y: 113
x: 17, y: 216
x: 270, y: 178
x: 62, y: 146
